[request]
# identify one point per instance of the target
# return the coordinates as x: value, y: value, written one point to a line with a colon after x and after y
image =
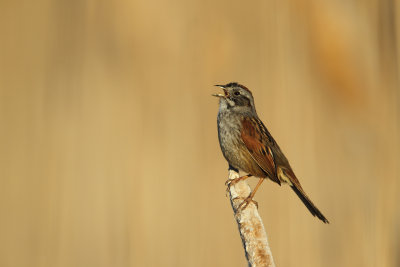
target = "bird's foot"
x: 246, y: 202
x: 231, y: 182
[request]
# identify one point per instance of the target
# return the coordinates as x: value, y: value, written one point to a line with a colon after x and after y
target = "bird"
x: 248, y: 146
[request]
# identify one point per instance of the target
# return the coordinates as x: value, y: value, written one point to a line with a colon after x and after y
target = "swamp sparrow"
x: 248, y: 146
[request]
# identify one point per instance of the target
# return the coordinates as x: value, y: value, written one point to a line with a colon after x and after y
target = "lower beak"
x: 218, y: 95
x: 225, y: 94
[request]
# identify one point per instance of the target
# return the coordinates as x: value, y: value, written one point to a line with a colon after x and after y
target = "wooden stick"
x: 251, y: 228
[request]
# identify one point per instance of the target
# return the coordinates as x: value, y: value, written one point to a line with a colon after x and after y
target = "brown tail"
x: 310, y: 206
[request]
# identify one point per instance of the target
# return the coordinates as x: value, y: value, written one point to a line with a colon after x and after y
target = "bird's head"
x: 236, y: 97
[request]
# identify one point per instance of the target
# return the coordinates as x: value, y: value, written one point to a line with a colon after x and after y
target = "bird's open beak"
x: 225, y: 94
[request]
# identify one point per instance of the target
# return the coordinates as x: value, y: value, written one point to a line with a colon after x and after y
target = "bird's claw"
x: 246, y: 202
x: 231, y: 182
x: 228, y: 184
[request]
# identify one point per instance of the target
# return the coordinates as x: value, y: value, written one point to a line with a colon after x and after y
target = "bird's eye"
x: 236, y: 93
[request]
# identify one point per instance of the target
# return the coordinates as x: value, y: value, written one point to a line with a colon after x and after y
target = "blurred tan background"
x: 109, y: 151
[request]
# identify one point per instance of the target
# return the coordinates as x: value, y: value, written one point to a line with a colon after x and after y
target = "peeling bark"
x: 251, y: 228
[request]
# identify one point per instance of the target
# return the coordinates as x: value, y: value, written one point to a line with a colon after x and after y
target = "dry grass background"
x: 109, y: 153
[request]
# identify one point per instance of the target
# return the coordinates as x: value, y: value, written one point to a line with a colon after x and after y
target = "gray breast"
x: 230, y: 139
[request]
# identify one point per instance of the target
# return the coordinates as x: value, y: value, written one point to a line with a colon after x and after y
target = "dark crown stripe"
x: 235, y: 84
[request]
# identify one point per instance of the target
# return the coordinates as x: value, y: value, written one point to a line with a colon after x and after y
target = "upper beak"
x: 221, y: 95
